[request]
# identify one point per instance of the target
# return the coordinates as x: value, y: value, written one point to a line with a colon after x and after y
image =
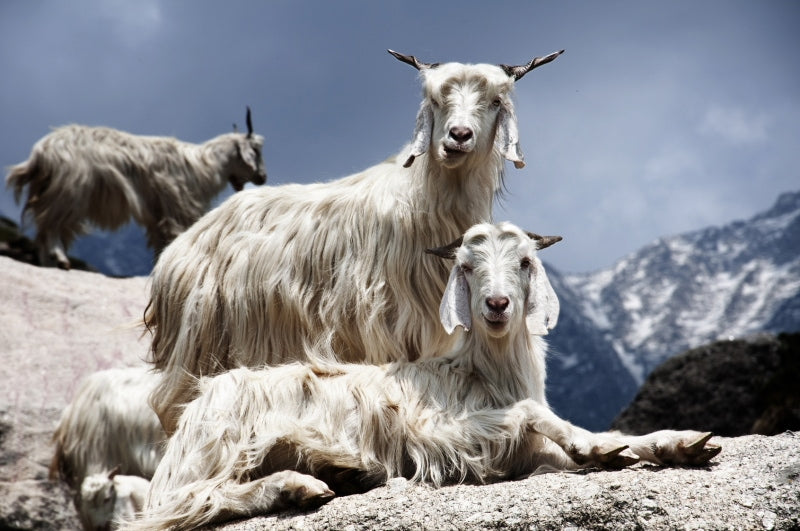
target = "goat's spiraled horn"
x: 518, y: 71
x: 249, y: 121
x: 413, y: 61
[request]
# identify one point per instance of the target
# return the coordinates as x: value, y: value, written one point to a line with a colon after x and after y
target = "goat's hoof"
x: 605, y: 454
x: 306, y: 492
x: 618, y: 457
x: 308, y: 499
x: 700, y: 451
x: 693, y: 450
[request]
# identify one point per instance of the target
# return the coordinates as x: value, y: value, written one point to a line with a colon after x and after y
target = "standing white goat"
x: 79, y: 175
x: 108, y: 426
x: 256, y: 441
x: 337, y: 264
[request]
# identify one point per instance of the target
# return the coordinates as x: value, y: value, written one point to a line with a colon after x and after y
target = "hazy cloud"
x: 735, y: 125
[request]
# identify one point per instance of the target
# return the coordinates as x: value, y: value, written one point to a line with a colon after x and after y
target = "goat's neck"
x: 509, y: 368
x: 464, y: 193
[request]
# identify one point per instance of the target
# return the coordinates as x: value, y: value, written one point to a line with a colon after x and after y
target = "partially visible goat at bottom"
x: 257, y: 441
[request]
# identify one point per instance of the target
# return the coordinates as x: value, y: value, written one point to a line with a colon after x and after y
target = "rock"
x: 58, y: 327
x: 753, y: 484
x: 734, y: 387
x: 14, y: 244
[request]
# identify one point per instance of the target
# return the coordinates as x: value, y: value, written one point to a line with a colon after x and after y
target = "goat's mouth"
x: 455, y: 151
x: 496, y: 322
x: 236, y: 184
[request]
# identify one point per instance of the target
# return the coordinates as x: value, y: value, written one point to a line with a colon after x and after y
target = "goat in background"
x: 78, y: 176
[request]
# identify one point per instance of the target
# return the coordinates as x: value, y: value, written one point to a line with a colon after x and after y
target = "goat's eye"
x: 466, y: 268
x: 496, y: 103
x: 525, y: 263
x: 434, y: 102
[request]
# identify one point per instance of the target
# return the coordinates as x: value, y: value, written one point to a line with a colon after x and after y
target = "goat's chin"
x: 496, y: 328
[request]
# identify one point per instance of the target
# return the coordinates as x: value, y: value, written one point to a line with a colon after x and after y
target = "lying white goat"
x: 109, y: 425
x: 258, y: 441
x: 108, y: 444
x: 276, y: 268
x: 108, y: 498
x: 79, y: 176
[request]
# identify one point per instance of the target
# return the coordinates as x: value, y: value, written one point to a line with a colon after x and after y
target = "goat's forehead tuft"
x: 489, y: 77
x: 506, y: 234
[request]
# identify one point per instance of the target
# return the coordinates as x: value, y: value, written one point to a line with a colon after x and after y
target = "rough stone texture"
x: 752, y: 484
x: 57, y: 327
x: 732, y: 388
x: 60, y: 326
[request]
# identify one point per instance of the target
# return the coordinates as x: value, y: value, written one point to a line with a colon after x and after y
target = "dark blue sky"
x: 661, y: 117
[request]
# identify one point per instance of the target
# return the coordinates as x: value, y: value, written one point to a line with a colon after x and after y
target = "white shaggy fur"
x: 255, y: 441
x: 339, y: 264
x: 78, y: 176
x: 109, y: 425
x: 108, y: 499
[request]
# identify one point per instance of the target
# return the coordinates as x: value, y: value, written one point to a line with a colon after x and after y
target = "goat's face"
x: 466, y: 104
x: 467, y: 111
x: 498, y: 284
x: 98, y: 496
x: 249, y: 165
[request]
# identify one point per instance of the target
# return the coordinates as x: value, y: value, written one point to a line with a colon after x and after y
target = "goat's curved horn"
x: 542, y: 242
x: 249, y: 121
x: 518, y: 71
x: 447, y: 251
x: 413, y: 61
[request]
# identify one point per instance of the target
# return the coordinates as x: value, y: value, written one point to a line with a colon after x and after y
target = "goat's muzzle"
x: 460, y: 140
x: 496, y: 316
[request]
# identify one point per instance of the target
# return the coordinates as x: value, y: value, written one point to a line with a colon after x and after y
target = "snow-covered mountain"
x: 687, y: 290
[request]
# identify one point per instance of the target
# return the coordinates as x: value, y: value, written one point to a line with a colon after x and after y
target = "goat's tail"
x: 22, y: 175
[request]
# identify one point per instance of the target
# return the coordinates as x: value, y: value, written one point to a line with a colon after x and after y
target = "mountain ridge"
x: 685, y: 290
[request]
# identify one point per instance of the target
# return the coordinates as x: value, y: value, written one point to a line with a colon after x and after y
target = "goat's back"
x: 109, y: 424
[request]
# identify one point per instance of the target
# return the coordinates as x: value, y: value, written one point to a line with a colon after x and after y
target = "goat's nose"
x: 460, y: 133
x: 497, y: 304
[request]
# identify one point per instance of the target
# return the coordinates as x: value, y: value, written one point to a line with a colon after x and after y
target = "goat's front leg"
x: 669, y: 447
x: 584, y: 447
x: 52, y: 251
x: 274, y: 492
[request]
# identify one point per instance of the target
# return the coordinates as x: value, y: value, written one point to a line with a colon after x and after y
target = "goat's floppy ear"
x: 247, y: 154
x: 422, y: 133
x: 454, y: 309
x: 507, y: 137
x: 543, y: 306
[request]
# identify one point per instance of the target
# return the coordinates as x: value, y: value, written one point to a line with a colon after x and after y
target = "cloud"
x: 734, y: 126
